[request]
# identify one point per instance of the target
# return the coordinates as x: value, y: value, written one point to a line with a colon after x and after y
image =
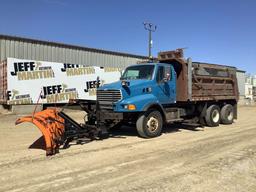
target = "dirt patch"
x: 181, y: 159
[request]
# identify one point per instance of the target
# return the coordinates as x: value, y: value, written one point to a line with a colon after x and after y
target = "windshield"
x: 138, y: 72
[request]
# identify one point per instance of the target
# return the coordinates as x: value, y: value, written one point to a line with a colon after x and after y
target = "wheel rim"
x: 152, y: 124
x: 215, y: 116
x: 230, y: 115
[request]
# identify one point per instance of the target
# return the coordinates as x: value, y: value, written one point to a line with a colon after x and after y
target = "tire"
x: 227, y: 114
x: 212, y: 116
x: 150, y: 124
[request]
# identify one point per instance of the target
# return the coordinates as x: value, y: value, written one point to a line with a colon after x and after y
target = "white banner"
x: 29, y: 81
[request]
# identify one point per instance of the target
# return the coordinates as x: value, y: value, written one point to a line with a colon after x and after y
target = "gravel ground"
x: 181, y: 159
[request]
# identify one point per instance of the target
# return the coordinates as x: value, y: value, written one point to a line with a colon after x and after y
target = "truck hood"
x: 135, y: 87
x: 118, y: 84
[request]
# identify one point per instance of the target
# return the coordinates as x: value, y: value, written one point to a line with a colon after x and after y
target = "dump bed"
x: 213, y: 82
x: 201, y: 81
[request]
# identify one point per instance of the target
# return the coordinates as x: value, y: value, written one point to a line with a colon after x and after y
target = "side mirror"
x: 125, y: 84
x: 167, y: 77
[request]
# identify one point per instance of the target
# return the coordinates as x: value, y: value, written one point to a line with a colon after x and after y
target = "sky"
x: 214, y: 31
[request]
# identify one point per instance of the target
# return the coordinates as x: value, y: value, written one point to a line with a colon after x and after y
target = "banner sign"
x: 29, y: 82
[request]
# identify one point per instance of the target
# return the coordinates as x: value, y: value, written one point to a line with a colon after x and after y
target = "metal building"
x: 26, y: 48
x: 32, y: 49
x: 240, y: 75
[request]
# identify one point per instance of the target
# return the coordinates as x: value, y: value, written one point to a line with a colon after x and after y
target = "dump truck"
x: 148, y: 95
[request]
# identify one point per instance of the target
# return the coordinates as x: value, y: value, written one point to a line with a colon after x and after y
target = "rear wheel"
x: 150, y: 124
x: 212, y: 116
x: 227, y: 114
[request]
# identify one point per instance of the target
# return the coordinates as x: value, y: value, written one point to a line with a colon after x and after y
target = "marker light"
x: 130, y: 107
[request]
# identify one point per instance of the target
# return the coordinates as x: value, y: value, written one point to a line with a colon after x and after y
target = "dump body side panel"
x: 213, y: 82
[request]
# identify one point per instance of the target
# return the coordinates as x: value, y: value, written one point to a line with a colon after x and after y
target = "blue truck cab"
x: 142, y: 88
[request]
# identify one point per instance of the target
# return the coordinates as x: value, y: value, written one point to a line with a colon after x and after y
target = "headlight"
x: 130, y: 107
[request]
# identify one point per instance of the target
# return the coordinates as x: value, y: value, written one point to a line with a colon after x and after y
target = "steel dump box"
x: 201, y: 81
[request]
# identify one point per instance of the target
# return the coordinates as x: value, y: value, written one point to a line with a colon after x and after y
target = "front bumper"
x: 109, y: 115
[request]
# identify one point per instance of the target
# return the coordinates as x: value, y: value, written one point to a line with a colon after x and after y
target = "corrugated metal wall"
x: 23, y: 49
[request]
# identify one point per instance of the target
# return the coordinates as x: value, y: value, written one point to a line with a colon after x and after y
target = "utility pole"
x: 150, y: 27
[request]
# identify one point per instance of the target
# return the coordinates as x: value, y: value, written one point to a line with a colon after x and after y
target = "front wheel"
x: 150, y: 124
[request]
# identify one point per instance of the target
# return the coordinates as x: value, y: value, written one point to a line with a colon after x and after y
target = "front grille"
x: 108, y: 96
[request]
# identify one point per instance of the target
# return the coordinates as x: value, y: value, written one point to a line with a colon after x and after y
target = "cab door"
x: 166, y: 84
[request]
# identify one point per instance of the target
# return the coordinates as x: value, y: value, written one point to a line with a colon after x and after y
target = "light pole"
x: 150, y: 27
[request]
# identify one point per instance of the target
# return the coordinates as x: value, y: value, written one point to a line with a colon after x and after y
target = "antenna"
x: 150, y: 27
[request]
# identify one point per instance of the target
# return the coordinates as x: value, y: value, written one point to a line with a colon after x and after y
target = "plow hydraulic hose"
x: 51, y: 126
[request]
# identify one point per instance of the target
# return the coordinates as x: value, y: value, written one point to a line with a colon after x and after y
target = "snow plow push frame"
x: 58, y: 129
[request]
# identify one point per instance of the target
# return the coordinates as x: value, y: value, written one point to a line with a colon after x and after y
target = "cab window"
x: 164, y: 72
x: 138, y: 72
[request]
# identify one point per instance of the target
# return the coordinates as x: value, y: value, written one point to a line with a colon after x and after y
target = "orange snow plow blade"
x: 51, y: 126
